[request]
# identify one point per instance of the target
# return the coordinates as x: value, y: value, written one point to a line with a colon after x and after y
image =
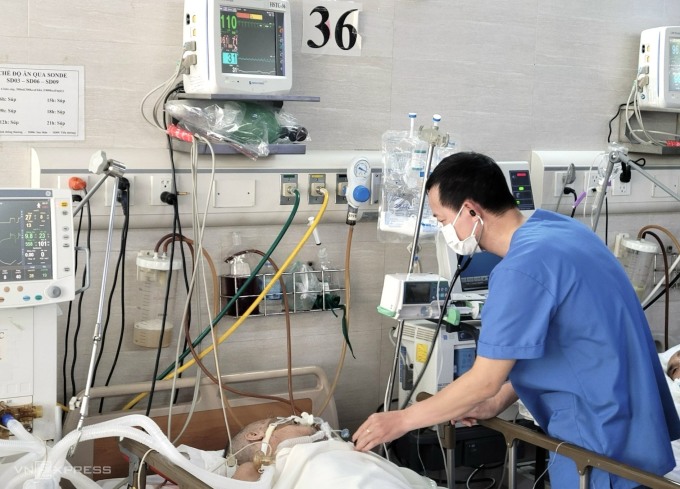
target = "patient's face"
x: 673, y: 368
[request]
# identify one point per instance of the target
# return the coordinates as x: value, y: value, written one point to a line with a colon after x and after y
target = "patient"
x: 248, y: 442
x: 309, y: 457
x: 673, y: 367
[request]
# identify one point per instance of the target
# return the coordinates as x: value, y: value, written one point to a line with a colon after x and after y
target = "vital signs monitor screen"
x: 25, y: 240
x: 252, y: 41
x: 674, y: 65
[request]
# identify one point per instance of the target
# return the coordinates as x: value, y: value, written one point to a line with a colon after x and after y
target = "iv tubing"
x: 255, y: 303
x: 672, y: 267
x: 150, y: 436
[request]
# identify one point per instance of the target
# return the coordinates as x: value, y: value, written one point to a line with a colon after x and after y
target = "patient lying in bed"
x: 673, y: 367
x: 670, y: 362
x: 305, y: 457
x: 272, y: 454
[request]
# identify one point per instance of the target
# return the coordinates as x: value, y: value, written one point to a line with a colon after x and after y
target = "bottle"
x: 328, y: 272
x: 416, y: 169
x: 273, y: 297
x: 238, y: 271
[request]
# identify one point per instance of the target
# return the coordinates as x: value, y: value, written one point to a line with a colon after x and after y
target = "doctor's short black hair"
x: 474, y: 176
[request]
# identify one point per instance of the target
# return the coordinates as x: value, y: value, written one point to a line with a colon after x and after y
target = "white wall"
x: 507, y: 78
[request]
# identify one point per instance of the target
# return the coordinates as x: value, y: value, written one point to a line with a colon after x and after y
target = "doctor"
x: 562, y: 330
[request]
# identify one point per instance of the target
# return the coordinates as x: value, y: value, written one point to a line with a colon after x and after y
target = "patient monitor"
x: 238, y: 47
x: 659, y: 67
x: 37, y: 271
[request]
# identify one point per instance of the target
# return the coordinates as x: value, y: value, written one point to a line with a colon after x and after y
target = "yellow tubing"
x: 252, y: 307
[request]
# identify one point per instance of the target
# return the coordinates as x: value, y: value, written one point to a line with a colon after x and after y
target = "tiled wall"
x: 507, y: 78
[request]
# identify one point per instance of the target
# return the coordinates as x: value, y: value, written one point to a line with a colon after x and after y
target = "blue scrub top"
x: 562, y: 306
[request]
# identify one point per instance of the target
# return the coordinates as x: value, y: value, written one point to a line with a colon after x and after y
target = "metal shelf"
x: 298, y: 300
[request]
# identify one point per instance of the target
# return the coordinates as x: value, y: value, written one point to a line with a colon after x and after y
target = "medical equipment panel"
x: 37, y: 254
x: 453, y: 355
x: 413, y: 295
x: 37, y: 271
x: 659, y: 67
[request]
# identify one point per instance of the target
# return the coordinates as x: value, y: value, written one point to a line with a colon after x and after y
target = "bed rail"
x: 585, y: 460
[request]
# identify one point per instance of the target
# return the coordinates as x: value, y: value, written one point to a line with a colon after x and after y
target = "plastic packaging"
x: 305, y: 283
x: 248, y: 127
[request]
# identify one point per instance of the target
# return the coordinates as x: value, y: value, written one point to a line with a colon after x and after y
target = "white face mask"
x: 677, y: 382
x: 461, y: 247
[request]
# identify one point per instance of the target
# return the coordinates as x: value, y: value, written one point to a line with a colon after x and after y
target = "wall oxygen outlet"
x: 159, y: 184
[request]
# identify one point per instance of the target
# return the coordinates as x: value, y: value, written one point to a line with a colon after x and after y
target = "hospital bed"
x: 206, y: 430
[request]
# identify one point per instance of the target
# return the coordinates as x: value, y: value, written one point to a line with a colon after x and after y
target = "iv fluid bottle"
x: 330, y: 279
x: 153, y: 273
x: 273, y: 298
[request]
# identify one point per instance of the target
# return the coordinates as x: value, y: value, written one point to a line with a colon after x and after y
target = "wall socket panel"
x: 148, y: 170
x: 638, y: 195
x: 158, y: 185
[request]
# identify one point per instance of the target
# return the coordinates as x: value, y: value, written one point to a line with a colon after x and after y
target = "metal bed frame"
x: 585, y: 459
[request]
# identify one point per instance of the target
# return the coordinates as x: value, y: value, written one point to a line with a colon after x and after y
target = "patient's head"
x: 673, y: 367
x: 246, y: 443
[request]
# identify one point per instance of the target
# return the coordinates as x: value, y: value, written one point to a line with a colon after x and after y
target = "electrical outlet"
x: 620, y: 188
x: 159, y: 184
x: 110, y: 187
x: 590, y: 180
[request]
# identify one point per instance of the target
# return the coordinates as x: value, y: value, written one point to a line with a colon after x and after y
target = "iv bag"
x: 403, y: 180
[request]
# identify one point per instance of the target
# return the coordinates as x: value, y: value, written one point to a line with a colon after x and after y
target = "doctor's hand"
x: 379, y: 428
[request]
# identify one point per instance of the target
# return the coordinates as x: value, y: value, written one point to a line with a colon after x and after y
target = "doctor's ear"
x: 473, y: 213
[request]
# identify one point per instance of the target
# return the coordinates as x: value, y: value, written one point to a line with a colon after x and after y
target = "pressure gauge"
x: 361, y: 169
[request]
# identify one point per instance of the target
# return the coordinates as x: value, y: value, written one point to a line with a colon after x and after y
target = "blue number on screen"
x: 229, y: 58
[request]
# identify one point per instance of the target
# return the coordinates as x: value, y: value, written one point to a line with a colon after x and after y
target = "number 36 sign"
x: 331, y: 27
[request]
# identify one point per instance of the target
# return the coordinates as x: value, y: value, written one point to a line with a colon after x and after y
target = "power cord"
x: 123, y: 198
x: 462, y: 265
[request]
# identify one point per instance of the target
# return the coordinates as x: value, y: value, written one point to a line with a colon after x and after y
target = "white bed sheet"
x: 331, y: 464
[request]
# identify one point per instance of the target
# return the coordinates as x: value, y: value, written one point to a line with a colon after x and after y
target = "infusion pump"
x: 413, y: 295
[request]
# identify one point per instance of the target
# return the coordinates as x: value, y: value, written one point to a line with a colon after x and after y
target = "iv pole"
x: 111, y: 168
x: 619, y: 154
x: 433, y: 137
